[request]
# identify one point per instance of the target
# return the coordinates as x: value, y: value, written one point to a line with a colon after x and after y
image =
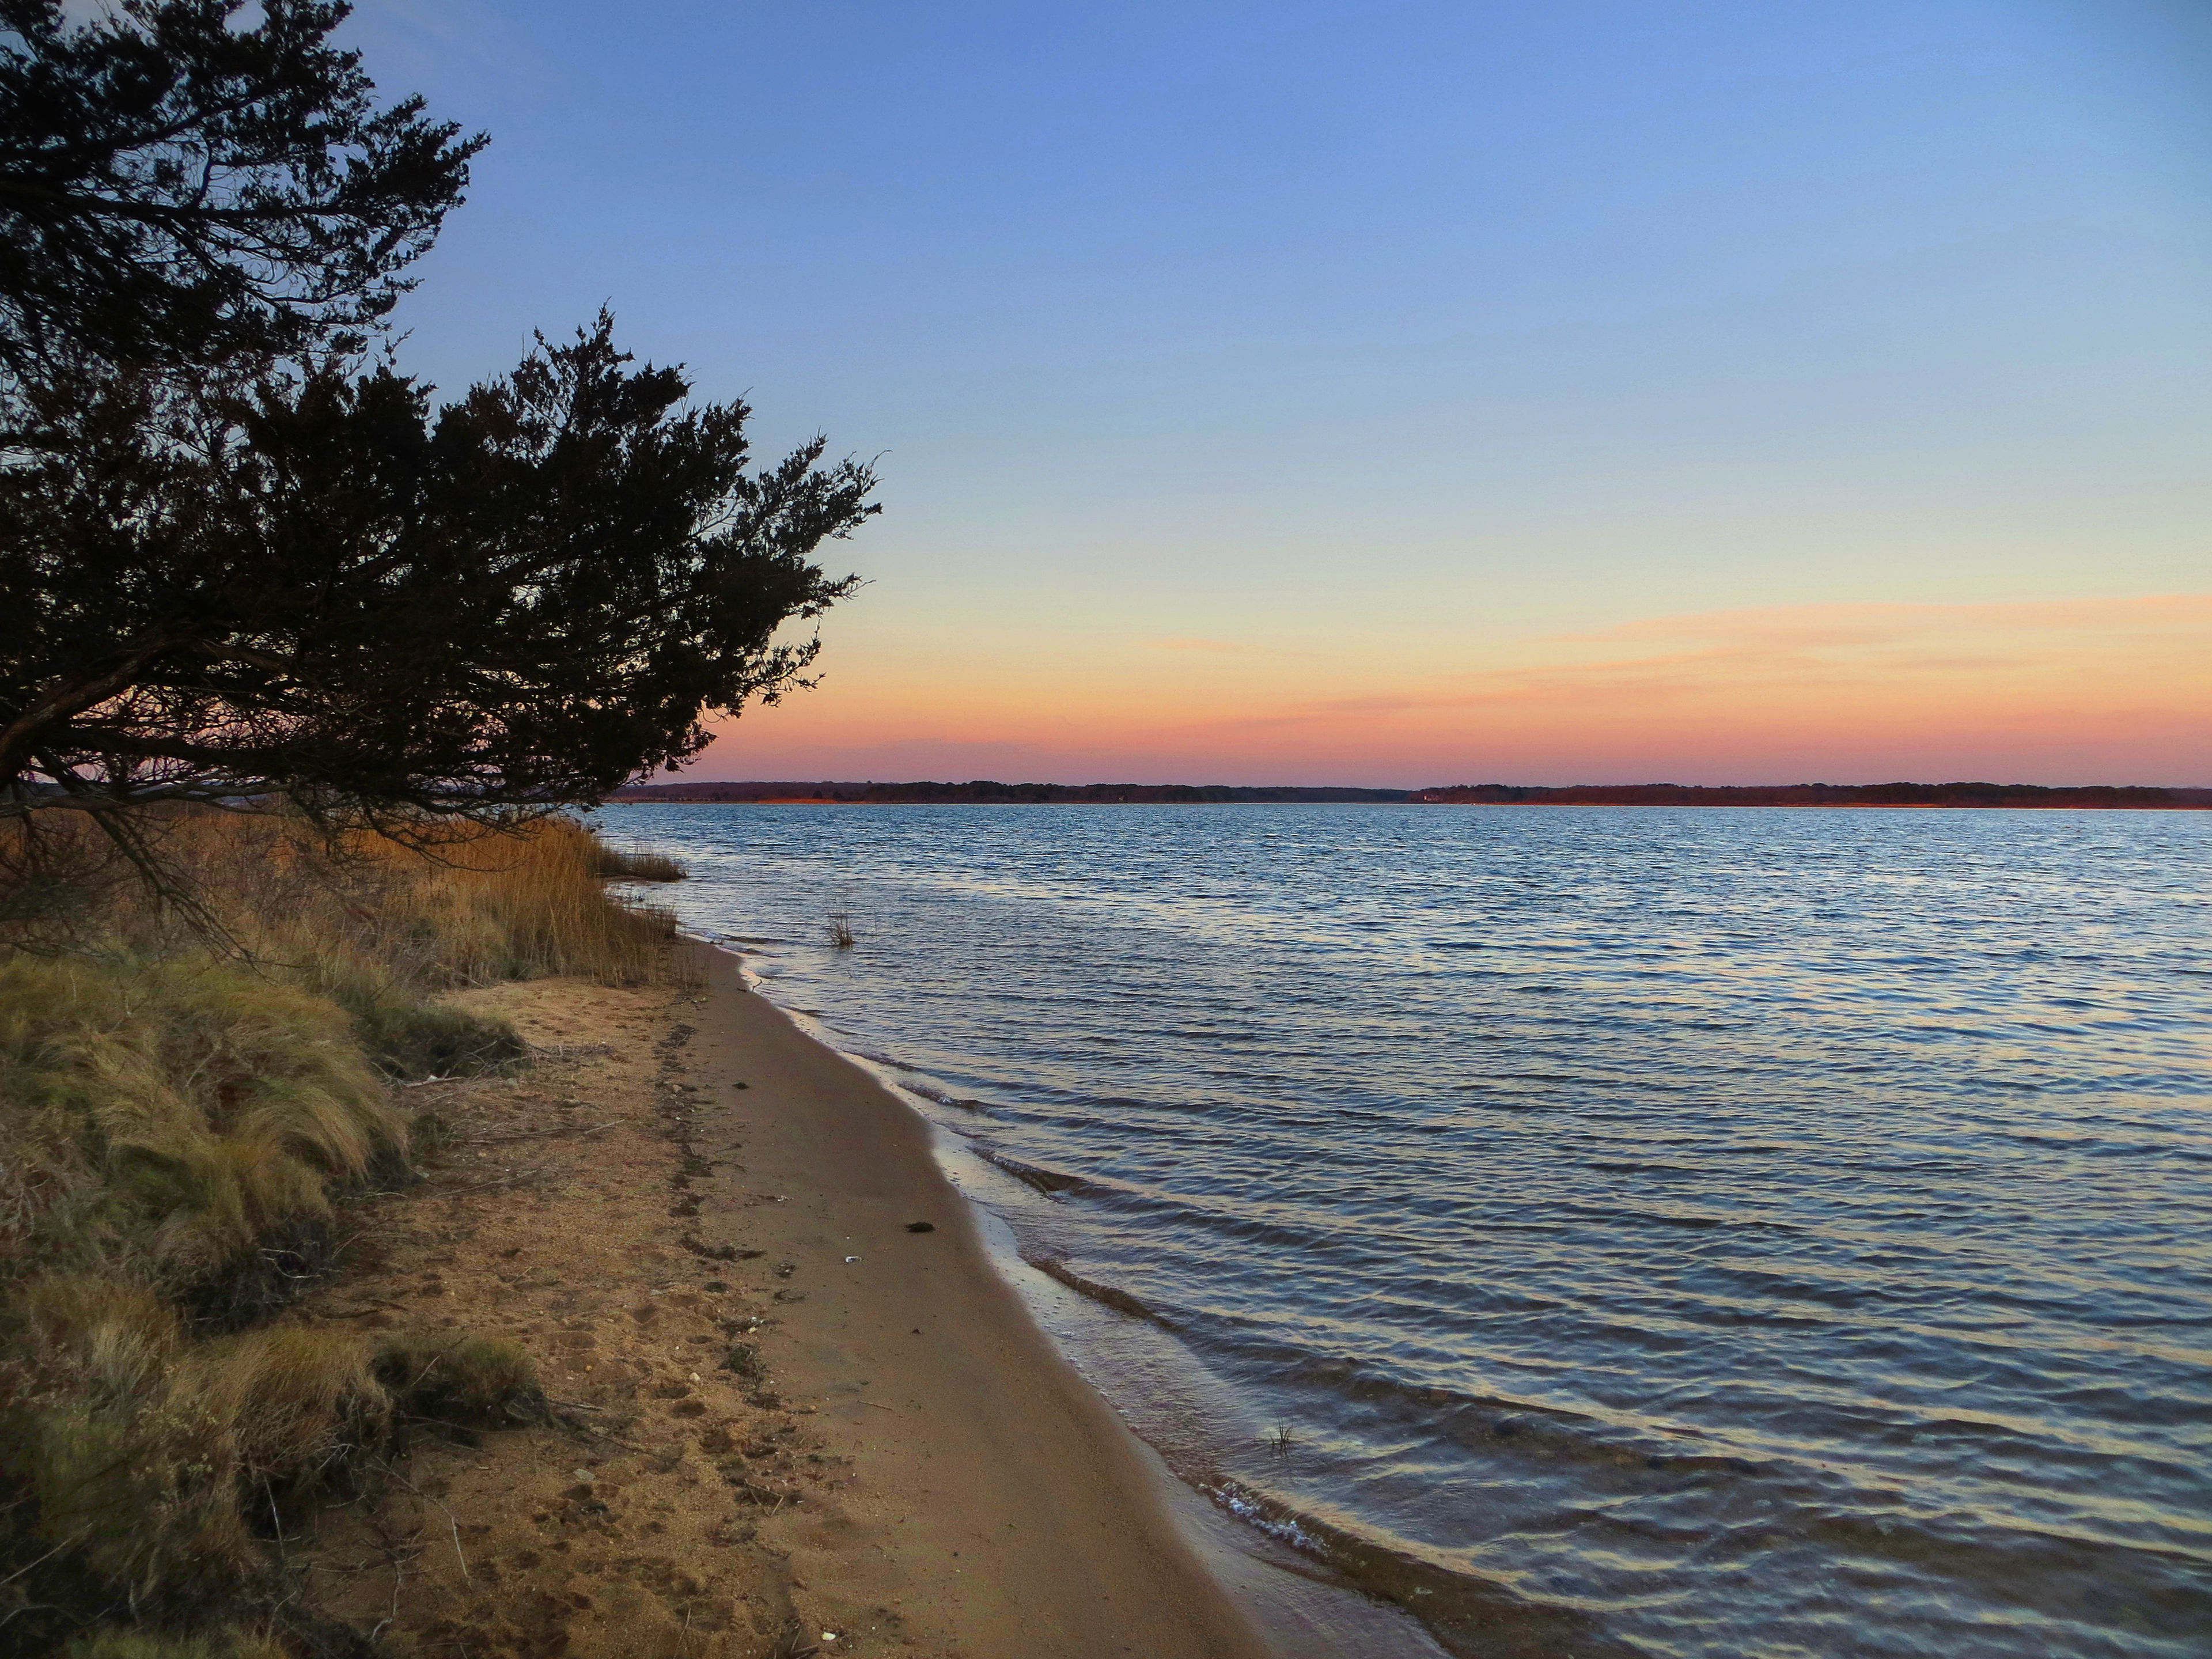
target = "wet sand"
x: 1000, y: 1500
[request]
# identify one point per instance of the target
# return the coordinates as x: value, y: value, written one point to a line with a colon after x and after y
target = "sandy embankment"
x: 792, y: 1415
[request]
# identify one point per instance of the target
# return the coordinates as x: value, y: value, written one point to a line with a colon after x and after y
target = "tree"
x: 315, y: 587
x: 176, y: 191
x: 232, y: 567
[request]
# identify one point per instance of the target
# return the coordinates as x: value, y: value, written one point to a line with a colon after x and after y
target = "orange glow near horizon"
x: 2116, y: 690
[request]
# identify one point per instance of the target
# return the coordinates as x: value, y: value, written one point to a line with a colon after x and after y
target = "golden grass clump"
x: 301, y: 1403
x: 379, y: 925
x: 113, y: 1463
x: 175, y: 1112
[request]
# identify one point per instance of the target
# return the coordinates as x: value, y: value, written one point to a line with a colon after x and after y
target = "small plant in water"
x: 839, y: 929
x: 1281, y: 1440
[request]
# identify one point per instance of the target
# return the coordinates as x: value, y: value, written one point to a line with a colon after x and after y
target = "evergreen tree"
x: 320, y: 587
x: 232, y: 566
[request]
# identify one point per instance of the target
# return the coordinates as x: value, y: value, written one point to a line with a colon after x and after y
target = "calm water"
x: 1662, y: 1231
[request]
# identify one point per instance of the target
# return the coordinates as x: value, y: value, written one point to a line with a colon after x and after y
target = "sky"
x: 1401, y: 394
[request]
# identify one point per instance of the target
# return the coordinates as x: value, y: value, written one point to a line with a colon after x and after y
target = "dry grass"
x: 146, y: 1468
x: 489, y: 906
x: 168, y: 1116
x: 133, y: 1452
x: 188, y: 1089
x: 378, y: 927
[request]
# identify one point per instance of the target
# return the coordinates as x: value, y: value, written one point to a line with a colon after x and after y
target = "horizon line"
x: 1407, y: 789
x: 1399, y: 788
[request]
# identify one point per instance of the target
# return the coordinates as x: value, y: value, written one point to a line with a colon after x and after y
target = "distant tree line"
x: 984, y: 791
x: 1816, y: 794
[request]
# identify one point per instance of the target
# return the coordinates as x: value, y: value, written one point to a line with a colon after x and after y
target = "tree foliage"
x: 323, y: 587
x: 177, y: 191
x: 232, y: 566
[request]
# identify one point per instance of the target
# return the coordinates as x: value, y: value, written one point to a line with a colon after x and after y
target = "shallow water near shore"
x: 1660, y: 1231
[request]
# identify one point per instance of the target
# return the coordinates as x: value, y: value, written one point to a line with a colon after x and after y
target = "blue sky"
x: 1350, y: 345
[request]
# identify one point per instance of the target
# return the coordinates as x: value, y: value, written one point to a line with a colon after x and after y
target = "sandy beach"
x: 799, y: 1409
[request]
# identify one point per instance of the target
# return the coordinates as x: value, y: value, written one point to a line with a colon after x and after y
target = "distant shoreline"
x: 988, y: 793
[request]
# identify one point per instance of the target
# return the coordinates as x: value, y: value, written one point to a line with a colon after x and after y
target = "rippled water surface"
x: 1662, y: 1231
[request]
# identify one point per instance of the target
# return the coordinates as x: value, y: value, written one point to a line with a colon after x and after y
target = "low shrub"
x: 410, y: 1041
x: 471, y: 1383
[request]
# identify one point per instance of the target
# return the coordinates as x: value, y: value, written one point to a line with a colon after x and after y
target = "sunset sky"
x: 1410, y: 393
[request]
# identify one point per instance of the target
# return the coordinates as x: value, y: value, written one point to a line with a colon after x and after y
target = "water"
x: 1666, y: 1232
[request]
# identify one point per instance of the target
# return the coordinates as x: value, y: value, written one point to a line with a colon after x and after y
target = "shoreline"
x: 1315, y: 1588
x: 1518, y: 805
x: 1028, y: 1517
x: 1306, y: 1601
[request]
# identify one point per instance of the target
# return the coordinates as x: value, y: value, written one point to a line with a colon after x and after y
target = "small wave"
x: 1270, y: 1518
x: 1120, y: 1301
x: 943, y: 1098
x: 1642, y: 1168
x: 1470, y: 1615
x: 1050, y: 1183
x: 875, y: 1058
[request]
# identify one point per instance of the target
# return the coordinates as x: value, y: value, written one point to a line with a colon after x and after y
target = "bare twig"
x: 521, y: 1177
x: 48, y: 1556
x: 397, y: 1555
x: 421, y: 1496
x: 535, y: 1134
x: 376, y: 1306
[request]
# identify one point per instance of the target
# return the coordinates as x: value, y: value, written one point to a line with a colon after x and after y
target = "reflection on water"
x: 1664, y: 1231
